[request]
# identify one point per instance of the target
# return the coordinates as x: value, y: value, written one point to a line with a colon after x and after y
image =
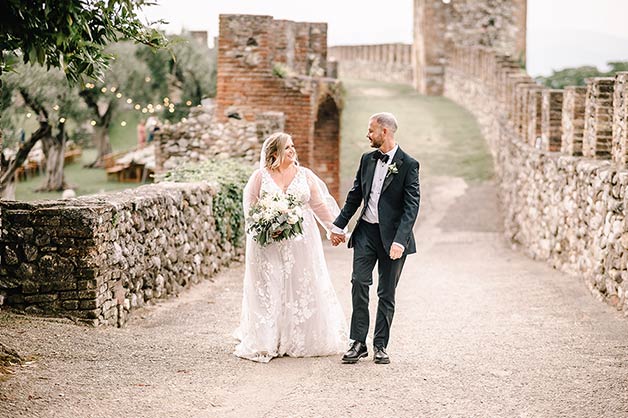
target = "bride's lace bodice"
x: 305, y: 185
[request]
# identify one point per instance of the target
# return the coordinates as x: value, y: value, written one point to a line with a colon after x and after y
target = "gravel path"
x: 480, y: 331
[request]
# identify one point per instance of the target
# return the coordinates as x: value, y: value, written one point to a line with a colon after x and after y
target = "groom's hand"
x: 337, y: 239
x: 395, y: 252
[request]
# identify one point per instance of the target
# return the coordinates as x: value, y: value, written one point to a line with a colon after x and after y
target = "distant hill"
x: 555, y: 50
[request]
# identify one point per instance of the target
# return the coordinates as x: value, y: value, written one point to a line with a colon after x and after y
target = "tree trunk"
x: 54, y: 149
x: 7, y: 168
x: 102, y: 144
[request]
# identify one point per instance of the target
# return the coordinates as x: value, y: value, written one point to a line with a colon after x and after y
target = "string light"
x: 183, y: 119
x: 123, y: 123
x: 29, y: 114
x: 55, y: 107
x: 149, y: 108
x: 62, y: 120
x: 93, y: 123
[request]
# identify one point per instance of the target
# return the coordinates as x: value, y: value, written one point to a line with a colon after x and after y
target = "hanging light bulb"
x: 137, y: 107
x: 147, y: 79
x: 93, y: 123
x: 189, y: 103
x: 113, y: 89
x: 129, y: 101
x: 123, y: 123
x: 144, y: 110
x: 166, y: 100
x: 29, y: 114
x: 104, y: 89
x: 158, y: 107
x: 171, y: 110
x: 118, y: 95
x: 55, y: 107
x: 183, y: 119
x: 62, y: 120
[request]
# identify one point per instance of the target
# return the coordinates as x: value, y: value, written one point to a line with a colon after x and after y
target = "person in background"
x: 141, y: 134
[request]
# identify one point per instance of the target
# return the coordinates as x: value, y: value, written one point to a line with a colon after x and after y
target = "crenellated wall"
x: 382, y: 62
x: 560, y: 161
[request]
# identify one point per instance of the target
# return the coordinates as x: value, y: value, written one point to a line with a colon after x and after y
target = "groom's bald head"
x: 385, y: 120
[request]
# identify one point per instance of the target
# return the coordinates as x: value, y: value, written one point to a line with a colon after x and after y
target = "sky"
x: 561, y: 33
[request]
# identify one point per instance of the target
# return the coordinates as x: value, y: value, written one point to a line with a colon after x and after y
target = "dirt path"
x: 480, y: 330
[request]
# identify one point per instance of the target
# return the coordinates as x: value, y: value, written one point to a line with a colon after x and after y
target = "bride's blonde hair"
x: 275, y: 150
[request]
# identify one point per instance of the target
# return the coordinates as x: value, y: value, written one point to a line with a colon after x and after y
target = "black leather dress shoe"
x: 356, y: 352
x: 380, y: 356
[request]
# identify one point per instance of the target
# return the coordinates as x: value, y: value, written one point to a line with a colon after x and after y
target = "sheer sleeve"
x: 251, y: 191
x: 322, y: 203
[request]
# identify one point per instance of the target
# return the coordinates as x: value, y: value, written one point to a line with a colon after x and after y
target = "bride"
x: 289, y: 306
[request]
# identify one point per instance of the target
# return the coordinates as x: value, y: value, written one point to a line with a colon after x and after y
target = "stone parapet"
x: 97, y: 258
x: 391, y: 63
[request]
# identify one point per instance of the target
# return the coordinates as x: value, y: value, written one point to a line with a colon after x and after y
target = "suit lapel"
x: 368, y: 176
x: 398, y: 160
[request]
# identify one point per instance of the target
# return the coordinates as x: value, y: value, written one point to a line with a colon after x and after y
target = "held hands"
x: 337, y: 239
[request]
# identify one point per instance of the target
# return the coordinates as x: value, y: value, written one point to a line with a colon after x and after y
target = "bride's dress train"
x: 289, y: 306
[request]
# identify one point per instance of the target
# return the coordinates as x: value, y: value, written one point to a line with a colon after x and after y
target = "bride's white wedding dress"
x: 289, y: 306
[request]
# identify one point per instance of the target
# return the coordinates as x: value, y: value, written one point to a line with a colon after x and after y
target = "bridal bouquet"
x: 275, y: 217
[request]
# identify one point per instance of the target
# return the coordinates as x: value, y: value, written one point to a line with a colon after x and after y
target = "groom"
x: 387, y: 183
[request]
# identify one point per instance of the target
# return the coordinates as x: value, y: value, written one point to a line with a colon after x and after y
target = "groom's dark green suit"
x: 397, y: 208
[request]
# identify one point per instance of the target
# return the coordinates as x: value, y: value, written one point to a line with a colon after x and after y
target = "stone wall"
x: 280, y: 66
x: 391, y: 63
x: 439, y: 26
x: 200, y: 137
x: 97, y: 258
x: 560, y: 206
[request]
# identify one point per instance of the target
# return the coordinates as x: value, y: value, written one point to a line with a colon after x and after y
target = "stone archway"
x: 326, y: 152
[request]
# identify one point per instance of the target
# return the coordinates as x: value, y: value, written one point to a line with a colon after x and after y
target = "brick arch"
x: 326, y: 150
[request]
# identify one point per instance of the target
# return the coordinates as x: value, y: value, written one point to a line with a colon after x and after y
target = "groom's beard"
x: 375, y: 143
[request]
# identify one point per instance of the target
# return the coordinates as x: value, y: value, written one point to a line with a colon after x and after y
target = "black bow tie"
x: 378, y: 155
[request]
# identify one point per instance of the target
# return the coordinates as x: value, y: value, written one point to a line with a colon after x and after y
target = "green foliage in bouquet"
x: 275, y: 217
x: 232, y: 176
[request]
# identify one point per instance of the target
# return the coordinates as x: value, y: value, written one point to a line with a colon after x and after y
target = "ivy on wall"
x: 231, y: 176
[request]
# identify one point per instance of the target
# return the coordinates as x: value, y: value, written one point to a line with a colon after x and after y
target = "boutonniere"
x: 392, y: 169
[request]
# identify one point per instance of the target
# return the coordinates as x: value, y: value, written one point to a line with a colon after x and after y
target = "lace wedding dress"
x: 289, y: 306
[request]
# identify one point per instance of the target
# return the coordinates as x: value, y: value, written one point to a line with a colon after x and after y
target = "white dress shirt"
x: 371, y: 214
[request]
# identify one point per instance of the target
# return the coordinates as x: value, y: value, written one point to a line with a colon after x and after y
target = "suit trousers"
x: 368, y: 249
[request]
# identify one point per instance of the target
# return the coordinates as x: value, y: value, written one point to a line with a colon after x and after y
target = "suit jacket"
x: 398, y: 204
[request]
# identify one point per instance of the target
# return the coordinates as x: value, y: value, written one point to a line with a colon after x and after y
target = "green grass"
x: 88, y: 180
x: 443, y: 136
